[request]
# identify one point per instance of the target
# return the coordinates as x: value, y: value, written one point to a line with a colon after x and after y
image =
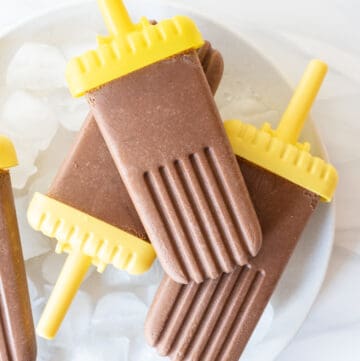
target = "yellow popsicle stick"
x: 129, y: 47
x: 67, y: 285
x: 102, y: 242
x: 295, y: 115
x: 278, y: 150
x: 88, y: 241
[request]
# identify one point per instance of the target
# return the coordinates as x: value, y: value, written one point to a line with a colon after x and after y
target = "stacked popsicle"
x: 154, y: 165
x: 214, y: 320
x: 223, y: 207
x: 88, y: 196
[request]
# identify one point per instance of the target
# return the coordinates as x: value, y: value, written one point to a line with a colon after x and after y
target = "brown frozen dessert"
x: 88, y: 193
x: 17, y: 334
x: 151, y: 100
x: 88, y: 179
x: 214, y: 320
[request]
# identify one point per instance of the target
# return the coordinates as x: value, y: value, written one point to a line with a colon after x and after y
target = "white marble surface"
x: 290, y: 33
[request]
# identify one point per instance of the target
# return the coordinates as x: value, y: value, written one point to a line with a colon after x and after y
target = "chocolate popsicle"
x: 150, y: 98
x: 214, y: 320
x: 17, y: 335
x: 89, y: 182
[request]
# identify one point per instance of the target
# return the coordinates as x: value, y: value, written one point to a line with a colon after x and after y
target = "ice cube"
x: 140, y: 350
x: 47, y: 351
x: 26, y: 154
x: 44, y: 347
x: 77, y: 321
x: 101, y: 349
x: 114, y: 277
x: 28, y: 119
x: 41, y: 182
x: 81, y: 44
x: 73, y: 114
x: 49, y: 162
x: 33, y: 243
x: 37, y: 307
x: 146, y: 294
x: 31, y: 125
x: 33, y: 291
x: 70, y: 112
x: 151, y: 277
x: 246, y: 104
x: 37, y: 66
x: 120, y: 313
x: 52, y: 266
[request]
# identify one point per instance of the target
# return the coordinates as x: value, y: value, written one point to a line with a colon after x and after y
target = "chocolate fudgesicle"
x: 152, y: 103
x: 214, y: 320
x: 17, y: 335
x: 89, y: 186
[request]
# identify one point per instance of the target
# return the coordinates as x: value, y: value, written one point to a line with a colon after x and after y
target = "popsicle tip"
x: 151, y: 331
x: 8, y: 157
x: 319, y: 64
x: 177, y: 274
x: 255, y: 240
x: 317, y: 70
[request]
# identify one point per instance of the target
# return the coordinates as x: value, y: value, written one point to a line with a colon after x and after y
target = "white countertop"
x: 290, y: 33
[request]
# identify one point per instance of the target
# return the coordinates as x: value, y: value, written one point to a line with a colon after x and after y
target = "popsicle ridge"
x: 105, y: 244
x: 214, y: 320
x: 129, y: 47
x: 216, y: 323
x: 196, y: 194
x: 215, y: 307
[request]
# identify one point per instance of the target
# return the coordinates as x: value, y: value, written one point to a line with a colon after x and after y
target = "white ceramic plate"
x: 249, y: 76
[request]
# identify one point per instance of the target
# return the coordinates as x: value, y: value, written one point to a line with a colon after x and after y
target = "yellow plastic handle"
x: 116, y: 17
x: 129, y: 47
x: 294, y: 117
x: 69, y: 281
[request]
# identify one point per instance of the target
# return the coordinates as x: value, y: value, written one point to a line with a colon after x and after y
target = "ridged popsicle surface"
x: 167, y: 140
x: 213, y: 321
